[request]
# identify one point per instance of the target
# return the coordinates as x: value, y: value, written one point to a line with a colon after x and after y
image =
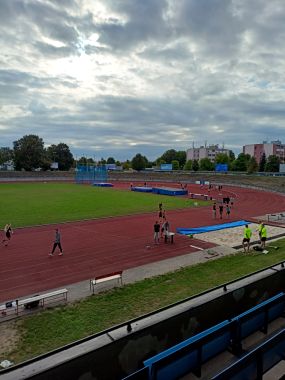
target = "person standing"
x: 156, y: 229
x: 247, y: 233
x: 160, y: 216
x: 259, y: 230
x: 57, y: 243
x: 8, y: 233
x: 263, y: 236
x: 214, y: 211
x: 228, y: 211
x: 221, y: 209
x: 164, y: 228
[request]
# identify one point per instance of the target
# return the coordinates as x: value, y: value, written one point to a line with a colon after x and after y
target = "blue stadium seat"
x: 258, y: 361
x: 189, y: 355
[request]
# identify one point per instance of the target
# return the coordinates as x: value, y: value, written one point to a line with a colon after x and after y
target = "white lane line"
x: 194, y: 246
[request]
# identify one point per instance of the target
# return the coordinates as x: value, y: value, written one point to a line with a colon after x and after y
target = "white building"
x: 210, y: 152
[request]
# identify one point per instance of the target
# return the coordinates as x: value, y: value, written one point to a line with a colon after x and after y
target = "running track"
x: 99, y: 247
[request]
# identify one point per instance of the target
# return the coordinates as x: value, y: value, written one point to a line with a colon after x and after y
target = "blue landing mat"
x: 169, y: 191
x: 142, y: 189
x: 216, y: 227
x: 103, y: 184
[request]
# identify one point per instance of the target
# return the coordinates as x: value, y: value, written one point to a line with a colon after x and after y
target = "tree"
x: 195, y: 165
x: 272, y: 164
x: 262, y: 163
x: 111, y: 160
x: 232, y: 156
x: 206, y: 164
x: 90, y: 161
x: 175, y: 165
x: 6, y: 154
x: 172, y: 155
x: 181, y: 158
x: 126, y: 165
x: 139, y: 162
x: 160, y: 161
x: 168, y: 156
x: 241, y: 162
x: 28, y: 152
x: 102, y: 161
x: 222, y: 158
x: 61, y: 154
x: 188, y: 165
x: 82, y: 161
x: 252, y: 165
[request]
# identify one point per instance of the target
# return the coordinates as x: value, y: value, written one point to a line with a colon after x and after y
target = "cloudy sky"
x: 120, y: 77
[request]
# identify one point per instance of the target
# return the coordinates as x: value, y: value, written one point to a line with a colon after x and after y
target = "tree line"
x: 29, y: 153
x: 241, y: 163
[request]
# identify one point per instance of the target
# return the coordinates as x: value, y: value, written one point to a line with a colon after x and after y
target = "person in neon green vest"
x: 247, y: 233
x: 263, y: 235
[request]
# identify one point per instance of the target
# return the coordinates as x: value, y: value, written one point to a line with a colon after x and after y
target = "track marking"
x: 194, y: 246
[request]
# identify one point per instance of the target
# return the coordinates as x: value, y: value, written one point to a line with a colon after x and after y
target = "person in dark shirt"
x: 221, y: 209
x: 57, y: 243
x: 156, y: 229
x: 214, y: 211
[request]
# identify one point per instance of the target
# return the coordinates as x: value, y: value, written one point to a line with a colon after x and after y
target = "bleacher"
x: 190, y: 355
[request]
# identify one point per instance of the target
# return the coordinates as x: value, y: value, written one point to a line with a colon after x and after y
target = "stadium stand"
x: 189, y: 355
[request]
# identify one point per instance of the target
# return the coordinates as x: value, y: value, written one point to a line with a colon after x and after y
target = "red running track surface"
x: 98, y: 247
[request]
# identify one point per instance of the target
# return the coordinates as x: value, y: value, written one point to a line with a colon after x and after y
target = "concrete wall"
x: 113, y: 354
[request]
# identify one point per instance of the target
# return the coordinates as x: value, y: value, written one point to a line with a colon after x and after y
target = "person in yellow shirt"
x: 246, y: 238
x: 263, y: 235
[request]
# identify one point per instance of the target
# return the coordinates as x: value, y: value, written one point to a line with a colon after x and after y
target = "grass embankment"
x: 53, y: 328
x: 28, y: 204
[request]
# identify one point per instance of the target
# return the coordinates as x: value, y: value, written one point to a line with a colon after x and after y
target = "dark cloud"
x: 145, y: 22
x: 128, y: 76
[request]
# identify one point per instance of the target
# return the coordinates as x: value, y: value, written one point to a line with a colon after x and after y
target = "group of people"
x: 221, y: 208
x: 247, y: 234
x: 57, y: 239
x: 161, y: 226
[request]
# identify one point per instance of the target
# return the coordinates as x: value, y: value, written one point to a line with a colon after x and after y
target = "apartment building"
x: 210, y: 152
x: 274, y: 148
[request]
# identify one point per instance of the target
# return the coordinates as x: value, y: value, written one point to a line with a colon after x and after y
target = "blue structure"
x: 221, y: 168
x: 160, y: 190
x: 103, y: 184
x: 215, y: 227
x: 166, y: 167
x: 169, y: 191
x: 91, y: 174
x: 142, y: 189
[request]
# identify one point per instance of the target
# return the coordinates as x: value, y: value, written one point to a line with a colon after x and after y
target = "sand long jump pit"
x: 232, y: 237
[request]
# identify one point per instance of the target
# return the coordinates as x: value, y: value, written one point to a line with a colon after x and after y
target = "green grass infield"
x: 28, y: 204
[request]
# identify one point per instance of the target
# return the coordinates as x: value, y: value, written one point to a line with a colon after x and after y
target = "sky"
x: 113, y: 78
